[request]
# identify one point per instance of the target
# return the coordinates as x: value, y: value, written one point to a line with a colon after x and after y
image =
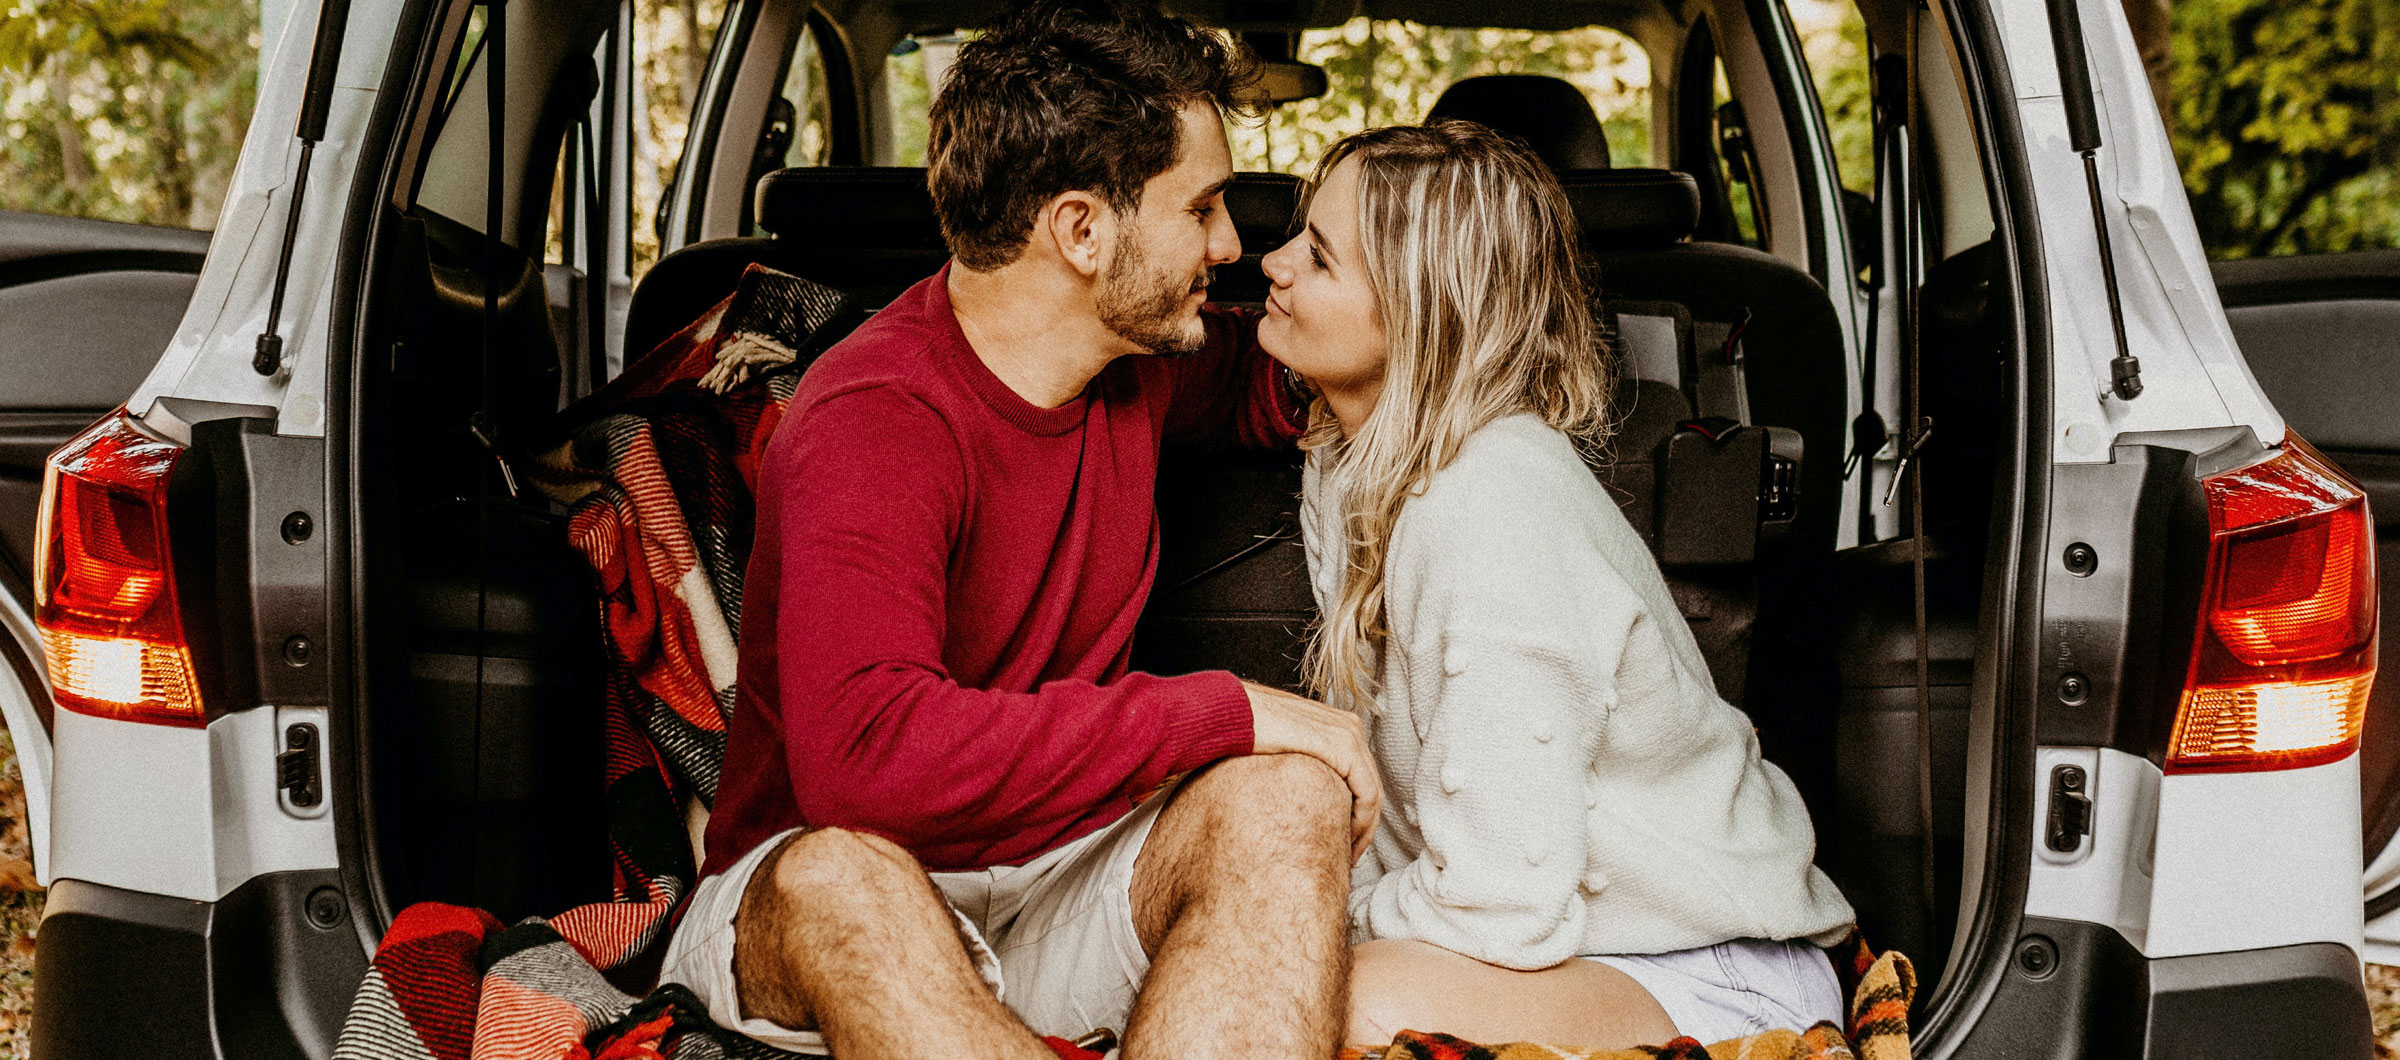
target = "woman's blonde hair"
x: 1472, y: 250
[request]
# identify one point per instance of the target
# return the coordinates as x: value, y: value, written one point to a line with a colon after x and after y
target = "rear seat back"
x: 871, y: 231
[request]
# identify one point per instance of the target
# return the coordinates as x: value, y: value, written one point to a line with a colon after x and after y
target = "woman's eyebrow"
x: 1324, y: 245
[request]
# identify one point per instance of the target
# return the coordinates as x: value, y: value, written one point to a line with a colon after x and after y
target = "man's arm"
x: 1230, y: 394
x: 878, y: 736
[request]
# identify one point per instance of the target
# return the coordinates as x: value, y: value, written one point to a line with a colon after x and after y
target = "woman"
x: 1562, y: 780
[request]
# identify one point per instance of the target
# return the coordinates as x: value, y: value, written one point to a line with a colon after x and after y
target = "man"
x: 955, y: 536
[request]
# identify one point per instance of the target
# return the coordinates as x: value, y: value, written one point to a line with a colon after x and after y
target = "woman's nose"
x: 1277, y: 264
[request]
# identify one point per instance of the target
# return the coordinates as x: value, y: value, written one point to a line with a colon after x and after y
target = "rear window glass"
x: 1378, y: 72
x: 1389, y: 72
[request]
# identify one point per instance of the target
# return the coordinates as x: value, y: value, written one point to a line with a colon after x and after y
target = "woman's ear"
x: 1077, y: 226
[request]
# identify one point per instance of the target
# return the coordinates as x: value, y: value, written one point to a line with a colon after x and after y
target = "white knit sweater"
x: 1560, y: 776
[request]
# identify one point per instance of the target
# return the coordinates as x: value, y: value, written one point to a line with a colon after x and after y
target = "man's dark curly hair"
x: 1059, y: 96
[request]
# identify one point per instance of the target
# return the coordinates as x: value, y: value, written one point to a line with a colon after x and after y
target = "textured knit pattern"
x: 1885, y: 989
x: 1560, y: 776
x: 657, y: 479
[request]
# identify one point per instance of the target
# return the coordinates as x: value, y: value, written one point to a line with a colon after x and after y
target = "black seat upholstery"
x: 1550, y: 115
x: 871, y: 231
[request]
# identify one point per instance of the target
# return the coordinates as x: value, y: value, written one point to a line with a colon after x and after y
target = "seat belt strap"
x: 1911, y: 341
x: 1719, y: 389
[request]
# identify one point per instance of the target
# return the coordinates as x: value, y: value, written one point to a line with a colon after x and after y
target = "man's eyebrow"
x: 1211, y: 191
x: 1323, y: 244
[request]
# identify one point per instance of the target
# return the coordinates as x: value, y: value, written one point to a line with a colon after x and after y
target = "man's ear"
x: 1077, y: 225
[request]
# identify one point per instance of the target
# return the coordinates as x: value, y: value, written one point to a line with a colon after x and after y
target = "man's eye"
x: 1204, y: 212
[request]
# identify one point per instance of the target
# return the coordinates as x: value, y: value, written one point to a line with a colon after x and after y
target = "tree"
x: 2285, y: 123
x: 115, y: 109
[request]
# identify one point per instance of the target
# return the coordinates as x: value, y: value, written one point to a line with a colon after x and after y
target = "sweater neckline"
x: 1004, y: 402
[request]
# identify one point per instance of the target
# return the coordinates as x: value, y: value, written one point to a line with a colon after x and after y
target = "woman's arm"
x: 1508, y: 627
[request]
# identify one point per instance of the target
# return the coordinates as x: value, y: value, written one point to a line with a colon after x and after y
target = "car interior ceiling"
x: 484, y: 663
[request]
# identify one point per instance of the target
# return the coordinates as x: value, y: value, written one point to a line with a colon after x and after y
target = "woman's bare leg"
x: 1398, y: 985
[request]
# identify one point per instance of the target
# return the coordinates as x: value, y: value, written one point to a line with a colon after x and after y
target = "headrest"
x: 1623, y: 208
x: 1550, y: 115
x: 889, y: 207
x: 1263, y: 207
x: 873, y: 207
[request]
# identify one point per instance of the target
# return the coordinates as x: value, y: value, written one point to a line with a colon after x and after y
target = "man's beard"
x: 1146, y: 308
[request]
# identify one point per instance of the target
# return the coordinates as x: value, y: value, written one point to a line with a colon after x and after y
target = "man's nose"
x: 1224, y: 243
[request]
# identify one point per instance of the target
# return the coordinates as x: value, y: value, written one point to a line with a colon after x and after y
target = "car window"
x: 1833, y: 41
x: 1737, y: 164
x: 914, y: 67
x: 1378, y: 72
x: 127, y: 111
x: 1389, y: 72
x: 809, y: 140
x: 2283, y: 122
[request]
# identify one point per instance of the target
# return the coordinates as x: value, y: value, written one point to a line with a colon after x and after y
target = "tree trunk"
x: 694, y: 58
x: 2153, y: 36
x: 75, y: 168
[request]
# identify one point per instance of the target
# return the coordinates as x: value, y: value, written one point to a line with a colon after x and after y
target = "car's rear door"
x: 2322, y: 334
x: 86, y: 308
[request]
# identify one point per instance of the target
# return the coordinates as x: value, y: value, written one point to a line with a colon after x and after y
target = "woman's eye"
x: 1315, y: 258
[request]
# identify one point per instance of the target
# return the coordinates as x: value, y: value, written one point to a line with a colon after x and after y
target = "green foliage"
x: 130, y: 110
x: 1833, y: 40
x: 2286, y: 123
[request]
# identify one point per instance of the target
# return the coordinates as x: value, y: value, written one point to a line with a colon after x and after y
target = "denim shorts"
x: 1737, y: 988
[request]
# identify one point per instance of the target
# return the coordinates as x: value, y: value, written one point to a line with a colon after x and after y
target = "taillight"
x: 104, y: 579
x: 2285, y: 650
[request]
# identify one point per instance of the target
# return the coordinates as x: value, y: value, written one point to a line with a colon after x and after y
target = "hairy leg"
x: 1398, y: 985
x: 1239, y: 897
x: 842, y: 932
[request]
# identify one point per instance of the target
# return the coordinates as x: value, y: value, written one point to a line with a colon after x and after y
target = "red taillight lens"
x: 2286, y: 652
x: 104, y: 581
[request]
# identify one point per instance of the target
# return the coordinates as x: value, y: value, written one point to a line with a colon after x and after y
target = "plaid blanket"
x: 656, y: 471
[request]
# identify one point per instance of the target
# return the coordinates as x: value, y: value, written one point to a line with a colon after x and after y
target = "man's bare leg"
x: 1239, y: 896
x: 843, y: 932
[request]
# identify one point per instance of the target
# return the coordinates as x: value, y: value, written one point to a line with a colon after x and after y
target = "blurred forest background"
x: 2285, y: 115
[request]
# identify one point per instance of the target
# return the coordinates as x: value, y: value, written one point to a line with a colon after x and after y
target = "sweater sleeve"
x: 877, y: 735
x: 1230, y: 394
x: 1508, y: 671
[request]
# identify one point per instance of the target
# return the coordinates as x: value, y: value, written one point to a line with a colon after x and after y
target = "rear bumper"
x: 267, y: 972
x: 2075, y: 989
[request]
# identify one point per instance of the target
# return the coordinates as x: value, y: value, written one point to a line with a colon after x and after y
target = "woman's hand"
x: 1282, y: 723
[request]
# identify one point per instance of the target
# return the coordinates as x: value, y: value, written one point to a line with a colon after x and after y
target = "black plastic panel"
x: 267, y: 973
x: 2077, y: 990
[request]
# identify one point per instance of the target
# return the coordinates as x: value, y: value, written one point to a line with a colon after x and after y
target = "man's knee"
x: 832, y: 867
x: 1289, y: 787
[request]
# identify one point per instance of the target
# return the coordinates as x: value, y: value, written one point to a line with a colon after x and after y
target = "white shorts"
x: 1053, y: 937
x: 1732, y: 989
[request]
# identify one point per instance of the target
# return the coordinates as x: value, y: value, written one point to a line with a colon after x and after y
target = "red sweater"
x: 943, y: 589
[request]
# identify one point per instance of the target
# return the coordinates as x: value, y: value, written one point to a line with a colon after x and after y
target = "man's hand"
x: 1282, y: 723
